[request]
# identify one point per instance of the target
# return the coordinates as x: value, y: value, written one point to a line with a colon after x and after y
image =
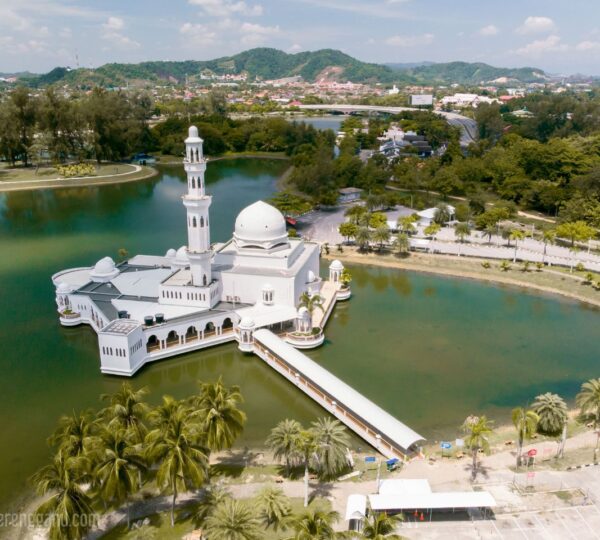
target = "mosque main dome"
x: 260, y: 225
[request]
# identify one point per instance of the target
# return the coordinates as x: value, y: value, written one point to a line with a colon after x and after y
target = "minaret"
x: 197, y: 204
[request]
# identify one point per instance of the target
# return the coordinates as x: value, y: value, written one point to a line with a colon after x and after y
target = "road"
x: 468, y: 126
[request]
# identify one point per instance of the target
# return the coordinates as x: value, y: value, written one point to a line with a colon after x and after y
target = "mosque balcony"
x: 304, y: 340
x: 343, y: 293
x: 70, y: 318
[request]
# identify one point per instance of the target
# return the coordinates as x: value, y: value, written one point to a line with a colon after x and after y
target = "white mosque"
x: 153, y: 307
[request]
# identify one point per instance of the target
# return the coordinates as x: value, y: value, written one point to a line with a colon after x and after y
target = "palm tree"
x: 306, y: 448
x: 406, y: 224
x: 233, y: 520
x: 553, y: 417
x: 311, y: 302
x: 381, y: 235
x: 332, y: 446
x: 442, y: 214
x: 69, y: 509
x: 119, y: 463
x: 283, y: 441
x: 355, y: 212
x: 274, y: 507
x: 363, y: 237
x: 432, y: 229
x: 161, y: 417
x: 525, y: 423
x: 221, y: 419
x: 75, y: 433
x: 588, y: 400
x: 461, y: 231
x: 127, y: 410
x: 548, y: 237
x: 214, y: 496
x: 402, y: 243
x: 379, y: 526
x: 516, y: 235
x: 489, y: 231
x: 478, y: 429
x: 177, y: 450
x: 315, y: 524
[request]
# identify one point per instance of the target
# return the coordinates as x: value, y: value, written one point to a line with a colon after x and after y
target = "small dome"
x: 336, y: 265
x: 181, y: 255
x: 104, y: 270
x: 193, y: 136
x: 260, y: 225
x: 171, y: 253
x: 302, y: 312
x: 63, y: 288
x: 247, y: 322
x: 310, y: 276
x: 267, y: 287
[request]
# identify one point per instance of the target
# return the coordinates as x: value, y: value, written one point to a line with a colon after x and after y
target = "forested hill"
x: 265, y: 64
x: 468, y: 73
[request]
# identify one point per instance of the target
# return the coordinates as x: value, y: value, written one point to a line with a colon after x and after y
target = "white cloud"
x: 227, y: 8
x: 489, y: 30
x: 296, y: 47
x: 65, y: 32
x: 586, y: 46
x: 256, y: 34
x: 536, y: 25
x: 113, y: 32
x: 370, y: 9
x: 410, y: 41
x: 537, y: 48
x: 249, y: 34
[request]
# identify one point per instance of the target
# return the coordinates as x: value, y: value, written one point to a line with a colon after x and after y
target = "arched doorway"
x: 227, y: 325
x: 191, y: 334
x: 152, y: 344
x: 172, y: 339
x: 209, y: 330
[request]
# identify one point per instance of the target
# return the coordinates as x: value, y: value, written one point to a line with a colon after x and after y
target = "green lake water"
x: 428, y: 349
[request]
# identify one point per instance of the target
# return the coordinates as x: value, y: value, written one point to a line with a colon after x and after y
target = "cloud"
x: 249, y: 34
x: 536, y: 25
x: 586, y: 46
x: 256, y: 34
x: 113, y: 32
x: 489, y: 30
x: 537, y: 48
x: 410, y: 41
x: 296, y: 47
x: 227, y: 8
x: 384, y: 10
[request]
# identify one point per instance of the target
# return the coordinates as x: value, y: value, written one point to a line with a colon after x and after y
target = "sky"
x: 559, y: 36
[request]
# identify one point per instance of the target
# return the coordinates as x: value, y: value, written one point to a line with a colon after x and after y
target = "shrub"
x: 76, y: 170
x: 505, y: 266
x: 525, y: 266
x: 589, y: 277
x: 580, y: 267
x: 539, y: 266
x: 486, y: 264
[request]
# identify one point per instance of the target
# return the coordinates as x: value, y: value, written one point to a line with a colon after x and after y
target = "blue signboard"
x: 370, y: 459
x: 446, y: 445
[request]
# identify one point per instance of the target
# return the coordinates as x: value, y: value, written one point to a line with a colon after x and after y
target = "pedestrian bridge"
x: 377, y: 427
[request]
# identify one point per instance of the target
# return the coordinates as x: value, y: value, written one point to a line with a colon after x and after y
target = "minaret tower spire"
x: 197, y: 203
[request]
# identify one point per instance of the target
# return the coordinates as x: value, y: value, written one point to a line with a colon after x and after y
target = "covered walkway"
x: 381, y: 430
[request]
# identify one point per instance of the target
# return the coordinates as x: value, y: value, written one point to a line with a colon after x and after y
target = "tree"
x: 118, y: 464
x: 442, y: 214
x: 462, y: 230
x: 477, y: 429
x: 345, y: 277
x: 516, y: 235
x: 489, y: 121
x: 274, y: 507
x: 306, y: 448
x: 553, y: 417
x: 127, y: 410
x: 282, y: 441
x: 548, y: 237
x: 588, y: 399
x: 363, y: 237
x: 311, y: 302
x: 332, y: 446
x: 379, y: 526
x: 217, y: 408
x: 69, y: 509
x: 402, y: 244
x: 348, y: 230
x: 489, y: 230
x: 381, y: 235
x: 214, y: 496
x: 576, y: 231
x: 406, y: 224
x: 315, y: 524
x: 491, y: 217
x: 176, y: 448
x: 75, y: 434
x: 525, y: 422
x: 355, y: 212
x: 233, y: 520
x: 432, y: 229
x: 377, y: 219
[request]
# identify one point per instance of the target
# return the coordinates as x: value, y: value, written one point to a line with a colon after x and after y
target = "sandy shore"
x: 464, y: 267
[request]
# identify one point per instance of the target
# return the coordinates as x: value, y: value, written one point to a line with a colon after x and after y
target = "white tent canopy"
x: 432, y: 501
x: 356, y: 507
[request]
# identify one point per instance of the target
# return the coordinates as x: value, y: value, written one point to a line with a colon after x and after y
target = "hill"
x: 266, y: 64
x: 468, y: 73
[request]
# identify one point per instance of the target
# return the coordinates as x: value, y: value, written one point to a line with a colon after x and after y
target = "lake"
x: 428, y: 349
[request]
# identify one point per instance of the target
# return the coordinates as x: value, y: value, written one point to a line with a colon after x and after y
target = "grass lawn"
x: 50, y: 173
x: 158, y: 526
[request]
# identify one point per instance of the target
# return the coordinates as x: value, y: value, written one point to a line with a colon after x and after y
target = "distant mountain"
x: 470, y: 73
x: 408, y: 65
x: 267, y: 64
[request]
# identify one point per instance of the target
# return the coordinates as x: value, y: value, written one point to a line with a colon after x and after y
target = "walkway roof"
x: 433, y: 501
x: 356, y: 507
x: 399, y: 486
x: 343, y: 394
